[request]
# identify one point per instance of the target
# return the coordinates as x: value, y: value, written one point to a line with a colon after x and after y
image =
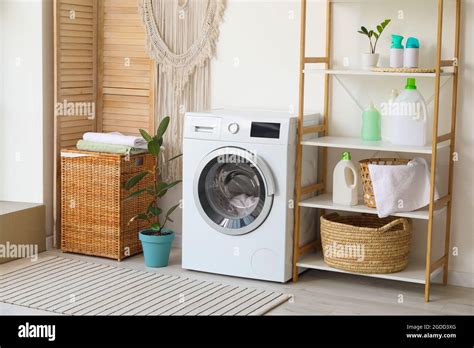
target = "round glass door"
x: 234, y: 191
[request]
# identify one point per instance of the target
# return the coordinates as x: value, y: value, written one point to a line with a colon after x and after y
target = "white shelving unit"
x: 308, y: 256
x: 372, y: 73
x: 324, y: 201
x: 358, y: 144
x: 414, y: 273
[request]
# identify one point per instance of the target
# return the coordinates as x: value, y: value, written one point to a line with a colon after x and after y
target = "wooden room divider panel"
x: 127, y: 76
x: 75, y: 70
x: 104, y: 80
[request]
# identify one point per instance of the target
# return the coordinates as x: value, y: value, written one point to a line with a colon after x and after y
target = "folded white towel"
x: 401, y: 188
x: 116, y: 138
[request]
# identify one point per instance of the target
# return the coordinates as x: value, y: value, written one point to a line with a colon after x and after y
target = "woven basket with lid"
x: 94, y: 216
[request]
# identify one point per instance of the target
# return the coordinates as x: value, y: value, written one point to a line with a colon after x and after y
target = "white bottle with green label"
x: 345, y: 182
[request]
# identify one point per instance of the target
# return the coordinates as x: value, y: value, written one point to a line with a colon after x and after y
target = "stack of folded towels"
x: 112, y: 143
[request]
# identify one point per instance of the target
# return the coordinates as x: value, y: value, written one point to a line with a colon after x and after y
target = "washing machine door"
x: 233, y: 190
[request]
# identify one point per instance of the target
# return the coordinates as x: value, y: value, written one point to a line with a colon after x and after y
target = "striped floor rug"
x: 76, y: 287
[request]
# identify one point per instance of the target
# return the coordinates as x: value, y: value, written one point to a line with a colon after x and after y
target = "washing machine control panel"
x: 233, y: 128
x: 244, y: 127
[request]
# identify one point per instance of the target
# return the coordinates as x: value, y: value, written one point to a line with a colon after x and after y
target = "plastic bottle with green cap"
x: 345, y: 182
x: 396, y: 52
x: 411, y: 122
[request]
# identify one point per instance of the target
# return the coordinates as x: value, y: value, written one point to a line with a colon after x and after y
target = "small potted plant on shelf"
x: 156, y: 239
x: 370, y: 59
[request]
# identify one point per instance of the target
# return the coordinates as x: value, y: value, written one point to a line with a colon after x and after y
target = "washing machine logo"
x: 238, y: 156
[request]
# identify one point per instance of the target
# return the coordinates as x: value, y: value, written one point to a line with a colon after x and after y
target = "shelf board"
x: 324, y: 201
x: 358, y: 144
x: 361, y: 72
x: 414, y: 273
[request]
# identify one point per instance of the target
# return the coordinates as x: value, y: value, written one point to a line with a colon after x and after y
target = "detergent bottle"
x: 345, y: 181
x: 371, y: 124
x: 410, y: 121
x: 387, y: 116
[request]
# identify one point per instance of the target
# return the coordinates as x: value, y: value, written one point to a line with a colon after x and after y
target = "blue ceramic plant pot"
x: 156, y: 249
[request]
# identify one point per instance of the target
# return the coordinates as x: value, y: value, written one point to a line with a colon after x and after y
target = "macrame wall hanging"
x: 181, y: 38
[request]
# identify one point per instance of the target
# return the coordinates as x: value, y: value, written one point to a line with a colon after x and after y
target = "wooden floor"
x: 316, y: 293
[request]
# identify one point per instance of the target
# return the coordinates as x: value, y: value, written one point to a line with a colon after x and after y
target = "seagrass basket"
x: 94, y: 215
x: 365, y: 243
x: 369, y: 198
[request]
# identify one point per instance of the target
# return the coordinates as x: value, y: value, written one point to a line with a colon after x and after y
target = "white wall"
x: 26, y: 108
x: 257, y: 66
x: 2, y: 126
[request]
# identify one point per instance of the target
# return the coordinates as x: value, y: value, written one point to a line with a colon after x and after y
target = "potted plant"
x: 371, y: 58
x: 156, y: 239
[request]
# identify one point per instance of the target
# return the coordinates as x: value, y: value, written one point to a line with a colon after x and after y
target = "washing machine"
x: 238, y: 191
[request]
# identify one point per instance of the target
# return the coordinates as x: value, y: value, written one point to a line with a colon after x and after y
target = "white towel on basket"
x: 401, y: 188
x: 116, y: 138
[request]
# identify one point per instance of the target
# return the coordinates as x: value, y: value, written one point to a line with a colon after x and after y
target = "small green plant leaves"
x: 141, y: 216
x: 156, y: 226
x: 155, y: 211
x: 135, y: 180
x: 135, y: 194
x: 163, y: 127
x: 374, y: 34
x: 164, y: 187
x: 156, y: 189
x: 145, y: 135
x: 154, y: 147
x: 171, y: 211
x: 385, y: 23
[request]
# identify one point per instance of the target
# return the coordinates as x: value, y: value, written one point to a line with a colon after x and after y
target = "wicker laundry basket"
x: 94, y: 216
x: 369, y: 199
x: 365, y: 243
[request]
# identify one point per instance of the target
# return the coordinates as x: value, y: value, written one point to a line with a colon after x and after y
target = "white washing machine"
x: 238, y: 190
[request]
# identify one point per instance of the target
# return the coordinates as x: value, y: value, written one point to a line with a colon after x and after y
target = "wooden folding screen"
x: 104, y: 81
x: 75, y: 69
x: 127, y: 77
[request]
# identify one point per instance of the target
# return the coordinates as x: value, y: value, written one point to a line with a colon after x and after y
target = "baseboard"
x: 50, y: 243
x: 463, y: 279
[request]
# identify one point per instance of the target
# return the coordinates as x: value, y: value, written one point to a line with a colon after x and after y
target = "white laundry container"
x: 410, y: 122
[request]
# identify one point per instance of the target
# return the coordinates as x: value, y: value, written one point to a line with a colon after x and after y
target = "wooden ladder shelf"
x: 305, y: 256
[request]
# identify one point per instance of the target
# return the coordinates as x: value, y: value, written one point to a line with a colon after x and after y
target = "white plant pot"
x: 369, y: 60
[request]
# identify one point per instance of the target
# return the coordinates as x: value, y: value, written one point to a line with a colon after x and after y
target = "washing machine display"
x: 233, y: 191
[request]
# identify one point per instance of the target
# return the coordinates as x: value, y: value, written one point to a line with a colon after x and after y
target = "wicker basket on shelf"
x: 365, y: 243
x: 369, y: 199
x: 94, y: 215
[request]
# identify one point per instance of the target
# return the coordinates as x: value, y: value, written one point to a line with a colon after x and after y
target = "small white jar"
x: 411, y: 58
x: 396, y: 57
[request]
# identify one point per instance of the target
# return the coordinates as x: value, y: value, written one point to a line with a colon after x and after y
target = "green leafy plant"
x: 372, y: 34
x: 158, y: 188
